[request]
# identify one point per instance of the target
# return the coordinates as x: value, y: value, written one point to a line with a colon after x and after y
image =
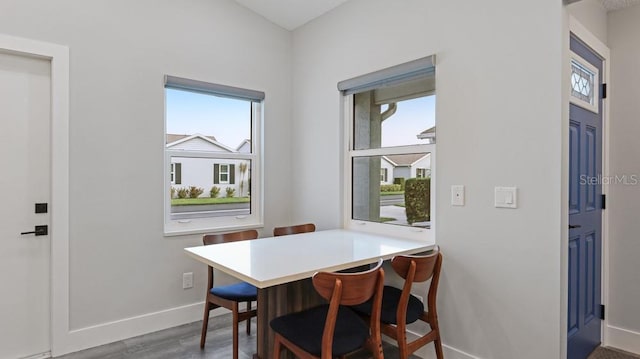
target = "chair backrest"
x: 350, y: 289
x: 418, y: 268
x: 224, y: 238
x: 355, y: 288
x: 300, y: 228
x: 229, y: 237
x: 425, y: 265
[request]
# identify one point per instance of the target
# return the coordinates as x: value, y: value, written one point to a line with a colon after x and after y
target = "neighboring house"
x: 406, y: 166
x: 206, y: 172
x: 428, y: 134
x: 244, y: 147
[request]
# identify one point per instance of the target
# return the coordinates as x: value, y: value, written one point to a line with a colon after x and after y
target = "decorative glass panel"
x: 582, y: 82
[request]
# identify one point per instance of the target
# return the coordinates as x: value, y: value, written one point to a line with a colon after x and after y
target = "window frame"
x: 408, y: 232
x: 255, y: 219
x: 580, y: 62
x: 221, y: 173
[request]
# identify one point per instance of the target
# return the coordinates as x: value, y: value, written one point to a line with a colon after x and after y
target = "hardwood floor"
x: 176, y: 343
x: 607, y: 353
x: 183, y: 342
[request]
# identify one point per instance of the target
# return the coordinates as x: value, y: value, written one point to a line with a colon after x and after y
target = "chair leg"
x: 276, y: 347
x: 377, y: 351
x: 235, y: 330
x: 248, y: 319
x: 438, y: 345
x: 205, y: 323
x: 401, y: 336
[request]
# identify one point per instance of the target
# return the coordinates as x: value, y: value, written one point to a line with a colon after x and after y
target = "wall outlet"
x: 457, y: 195
x: 187, y: 280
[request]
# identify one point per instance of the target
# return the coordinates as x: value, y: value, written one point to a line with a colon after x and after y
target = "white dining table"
x: 279, y: 266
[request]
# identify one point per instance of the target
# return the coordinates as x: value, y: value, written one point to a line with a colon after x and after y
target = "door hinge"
x: 603, y: 91
x: 603, y: 201
x: 602, y: 311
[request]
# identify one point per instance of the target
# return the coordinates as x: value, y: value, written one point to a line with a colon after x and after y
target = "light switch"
x: 457, y: 195
x: 506, y: 197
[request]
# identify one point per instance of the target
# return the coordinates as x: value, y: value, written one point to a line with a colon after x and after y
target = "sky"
x: 226, y: 119
x: 229, y: 121
x: 411, y: 118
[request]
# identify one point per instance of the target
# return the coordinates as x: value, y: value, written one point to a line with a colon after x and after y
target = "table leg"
x: 276, y: 301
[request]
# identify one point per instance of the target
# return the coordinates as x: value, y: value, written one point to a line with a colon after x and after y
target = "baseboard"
x: 93, y: 336
x: 429, y: 352
x: 623, y: 339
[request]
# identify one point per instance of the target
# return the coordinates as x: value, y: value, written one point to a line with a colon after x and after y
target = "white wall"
x: 592, y: 15
x: 624, y: 246
x: 121, y: 265
x: 499, y: 117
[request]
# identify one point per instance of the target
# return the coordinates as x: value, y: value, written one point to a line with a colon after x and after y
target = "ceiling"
x: 290, y: 14
x: 612, y: 5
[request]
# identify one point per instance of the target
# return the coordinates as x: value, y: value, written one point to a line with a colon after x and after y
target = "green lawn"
x: 391, y: 193
x: 386, y: 219
x: 202, y: 201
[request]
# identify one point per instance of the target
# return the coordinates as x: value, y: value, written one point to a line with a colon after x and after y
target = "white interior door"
x: 25, y: 179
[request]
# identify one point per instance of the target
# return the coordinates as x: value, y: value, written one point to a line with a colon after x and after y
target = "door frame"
x: 602, y: 50
x: 58, y: 56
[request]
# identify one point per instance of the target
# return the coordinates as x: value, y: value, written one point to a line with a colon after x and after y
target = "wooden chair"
x: 333, y: 329
x: 229, y: 296
x: 400, y: 307
x: 300, y: 228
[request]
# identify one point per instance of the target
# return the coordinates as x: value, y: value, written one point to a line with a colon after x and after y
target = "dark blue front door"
x: 585, y: 204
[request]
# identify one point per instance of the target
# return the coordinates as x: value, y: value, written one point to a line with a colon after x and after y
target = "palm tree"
x: 243, y: 169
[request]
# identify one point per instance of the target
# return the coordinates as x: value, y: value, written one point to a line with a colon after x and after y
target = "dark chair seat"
x: 239, y: 292
x: 390, y: 300
x: 306, y: 328
x: 397, y: 310
x: 334, y: 330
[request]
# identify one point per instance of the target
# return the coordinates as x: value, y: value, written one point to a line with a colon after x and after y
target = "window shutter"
x: 216, y: 173
x: 232, y: 174
x: 177, y: 173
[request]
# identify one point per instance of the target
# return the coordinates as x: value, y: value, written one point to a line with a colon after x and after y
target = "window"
x: 176, y: 173
x: 383, y: 175
x: 221, y: 174
x: 212, y: 157
x: 390, y: 128
x: 584, y: 83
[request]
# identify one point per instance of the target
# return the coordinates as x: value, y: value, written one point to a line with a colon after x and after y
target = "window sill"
x: 176, y: 229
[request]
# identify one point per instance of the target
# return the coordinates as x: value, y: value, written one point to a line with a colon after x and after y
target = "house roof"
x: 428, y: 133
x: 174, y: 137
x: 405, y: 160
x: 242, y: 144
x: 186, y: 138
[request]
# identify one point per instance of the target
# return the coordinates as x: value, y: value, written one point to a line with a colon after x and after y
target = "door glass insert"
x: 584, y: 84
